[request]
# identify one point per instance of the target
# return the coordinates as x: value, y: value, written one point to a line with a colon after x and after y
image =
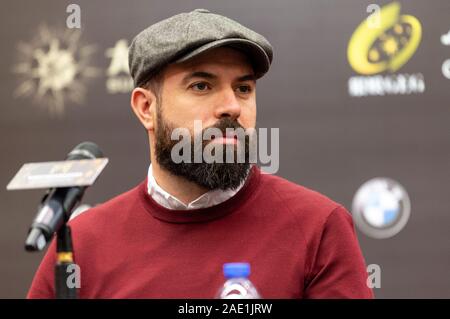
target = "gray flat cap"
x: 185, y: 35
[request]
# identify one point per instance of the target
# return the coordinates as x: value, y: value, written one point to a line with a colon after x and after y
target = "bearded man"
x: 169, y: 236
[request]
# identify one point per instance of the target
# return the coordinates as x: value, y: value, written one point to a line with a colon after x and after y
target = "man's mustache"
x: 223, y: 124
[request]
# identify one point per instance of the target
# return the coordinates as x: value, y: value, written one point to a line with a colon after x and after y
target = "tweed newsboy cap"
x: 185, y: 35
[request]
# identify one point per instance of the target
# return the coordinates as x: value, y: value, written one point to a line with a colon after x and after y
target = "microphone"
x: 57, y: 204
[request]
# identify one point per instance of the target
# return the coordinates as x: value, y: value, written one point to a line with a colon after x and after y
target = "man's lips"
x: 227, y: 138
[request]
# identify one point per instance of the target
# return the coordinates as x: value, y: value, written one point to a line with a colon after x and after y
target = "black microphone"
x: 57, y: 204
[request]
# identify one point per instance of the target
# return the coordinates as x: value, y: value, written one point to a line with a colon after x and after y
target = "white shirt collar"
x: 210, y: 198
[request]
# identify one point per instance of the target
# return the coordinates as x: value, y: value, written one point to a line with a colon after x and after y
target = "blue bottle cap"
x: 236, y: 270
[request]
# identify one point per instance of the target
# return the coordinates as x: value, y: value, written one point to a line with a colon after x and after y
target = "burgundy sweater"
x: 299, y: 243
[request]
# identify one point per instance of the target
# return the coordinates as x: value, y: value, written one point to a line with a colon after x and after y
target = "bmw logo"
x: 381, y: 208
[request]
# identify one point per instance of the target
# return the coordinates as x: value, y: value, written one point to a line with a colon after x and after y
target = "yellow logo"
x: 385, y: 45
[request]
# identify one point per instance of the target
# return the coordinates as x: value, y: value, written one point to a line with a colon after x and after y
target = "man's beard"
x: 209, y: 175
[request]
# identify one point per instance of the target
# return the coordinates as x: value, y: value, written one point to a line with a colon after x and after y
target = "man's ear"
x: 143, y: 103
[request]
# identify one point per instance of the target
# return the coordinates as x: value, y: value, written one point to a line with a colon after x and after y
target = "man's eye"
x: 201, y: 86
x: 244, y: 89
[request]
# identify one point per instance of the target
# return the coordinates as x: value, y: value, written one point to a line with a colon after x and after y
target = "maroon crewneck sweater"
x: 299, y: 243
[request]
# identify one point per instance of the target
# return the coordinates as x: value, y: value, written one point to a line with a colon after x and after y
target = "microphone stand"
x: 65, y: 266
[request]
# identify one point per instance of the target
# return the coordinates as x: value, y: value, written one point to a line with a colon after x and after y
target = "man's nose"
x: 228, y: 105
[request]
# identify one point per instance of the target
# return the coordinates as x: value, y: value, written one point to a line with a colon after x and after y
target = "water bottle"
x: 237, y: 286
